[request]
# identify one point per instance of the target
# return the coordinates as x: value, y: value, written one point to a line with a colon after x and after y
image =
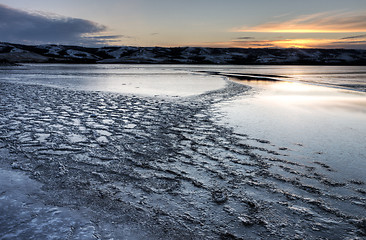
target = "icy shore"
x: 124, y: 167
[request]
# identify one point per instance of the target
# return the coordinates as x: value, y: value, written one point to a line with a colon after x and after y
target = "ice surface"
x: 129, y: 79
x: 76, y: 138
x: 19, y: 203
x: 219, y: 163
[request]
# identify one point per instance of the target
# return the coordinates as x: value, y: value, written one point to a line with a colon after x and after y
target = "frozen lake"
x: 183, y: 151
x: 148, y: 80
x: 286, y: 112
x: 182, y: 80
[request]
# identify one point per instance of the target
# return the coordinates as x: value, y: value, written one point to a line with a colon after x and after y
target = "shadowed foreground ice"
x: 105, y: 165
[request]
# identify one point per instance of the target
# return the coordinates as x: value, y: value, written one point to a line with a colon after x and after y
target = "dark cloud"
x: 353, y: 37
x: 263, y: 43
x: 351, y: 42
x: 245, y: 38
x: 35, y: 28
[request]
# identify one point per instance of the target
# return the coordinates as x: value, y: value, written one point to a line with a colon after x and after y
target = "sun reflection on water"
x: 309, y: 96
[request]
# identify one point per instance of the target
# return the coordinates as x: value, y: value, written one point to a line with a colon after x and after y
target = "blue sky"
x: 230, y: 23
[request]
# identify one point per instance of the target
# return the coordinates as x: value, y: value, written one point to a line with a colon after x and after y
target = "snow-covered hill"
x: 18, y: 53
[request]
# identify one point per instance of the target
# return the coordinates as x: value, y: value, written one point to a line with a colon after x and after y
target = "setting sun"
x: 296, y: 43
x: 300, y: 43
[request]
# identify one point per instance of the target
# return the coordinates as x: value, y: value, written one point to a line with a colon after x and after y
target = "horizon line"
x: 187, y: 46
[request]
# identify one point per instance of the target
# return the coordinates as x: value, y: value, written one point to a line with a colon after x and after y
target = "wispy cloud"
x: 244, y: 38
x: 39, y: 28
x: 328, y: 22
x: 106, y: 39
x: 355, y: 37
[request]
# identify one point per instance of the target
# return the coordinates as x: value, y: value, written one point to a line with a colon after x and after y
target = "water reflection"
x: 151, y: 80
x: 309, y: 96
x: 308, y: 120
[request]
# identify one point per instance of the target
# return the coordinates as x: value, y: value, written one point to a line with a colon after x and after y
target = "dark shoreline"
x: 18, y: 53
x: 177, y: 64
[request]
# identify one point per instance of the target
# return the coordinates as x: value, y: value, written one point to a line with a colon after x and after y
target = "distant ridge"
x: 18, y: 53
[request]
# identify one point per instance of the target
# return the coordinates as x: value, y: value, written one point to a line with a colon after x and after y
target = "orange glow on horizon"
x: 288, y: 43
x: 301, y: 43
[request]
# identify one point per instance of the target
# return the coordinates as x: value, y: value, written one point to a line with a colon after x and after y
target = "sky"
x: 173, y: 23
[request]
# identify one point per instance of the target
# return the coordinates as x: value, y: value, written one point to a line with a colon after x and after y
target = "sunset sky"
x: 169, y: 23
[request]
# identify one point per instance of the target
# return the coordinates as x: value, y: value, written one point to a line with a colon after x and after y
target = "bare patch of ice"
x: 76, y: 138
